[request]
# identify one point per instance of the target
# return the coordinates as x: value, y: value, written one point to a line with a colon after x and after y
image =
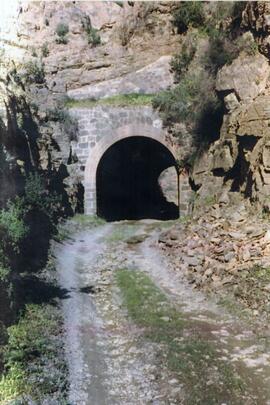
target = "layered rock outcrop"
x: 239, y: 160
x: 133, y: 53
x: 137, y: 41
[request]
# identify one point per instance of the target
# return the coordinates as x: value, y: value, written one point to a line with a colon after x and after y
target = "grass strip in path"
x: 194, y: 359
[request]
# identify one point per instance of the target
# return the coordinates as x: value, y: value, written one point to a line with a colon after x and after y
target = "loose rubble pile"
x: 224, y: 250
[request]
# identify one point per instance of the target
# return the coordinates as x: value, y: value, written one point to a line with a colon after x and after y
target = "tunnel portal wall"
x: 102, y: 126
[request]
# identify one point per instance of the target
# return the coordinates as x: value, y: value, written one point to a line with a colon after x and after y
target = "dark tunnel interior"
x: 127, y: 181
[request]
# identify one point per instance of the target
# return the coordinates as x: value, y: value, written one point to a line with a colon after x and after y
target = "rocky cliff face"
x: 134, y: 44
x: 239, y: 160
x: 130, y: 53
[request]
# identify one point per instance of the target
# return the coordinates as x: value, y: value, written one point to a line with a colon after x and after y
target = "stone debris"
x: 218, y: 248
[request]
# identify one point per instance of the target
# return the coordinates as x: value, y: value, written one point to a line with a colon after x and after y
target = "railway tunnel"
x: 127, y: 181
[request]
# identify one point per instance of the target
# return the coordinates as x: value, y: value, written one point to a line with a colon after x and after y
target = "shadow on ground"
x: 37, y: 291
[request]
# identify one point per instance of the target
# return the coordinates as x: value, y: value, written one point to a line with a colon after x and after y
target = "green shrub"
x: 221, y: 25
x: 12, y: 385
x: 11, y: 219
x: 93, y: 36
x: 182, y: 102
x: 45, y: 50
x: 223, y: 49
x: 188, y: 14
x: 220, y: 52
x: 36, y: 196
x: 181, y: 61
x: 62, y: 30
x: 4, y: 271
x: 193, y: 102
x: 33, y: 345
x: 34, y: 72
x: 34, y: 189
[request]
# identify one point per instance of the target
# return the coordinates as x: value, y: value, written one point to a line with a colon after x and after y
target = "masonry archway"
x: 127, y: 181
x: 122, y: 171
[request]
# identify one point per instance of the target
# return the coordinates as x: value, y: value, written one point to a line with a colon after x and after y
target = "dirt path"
x: 109, y: 362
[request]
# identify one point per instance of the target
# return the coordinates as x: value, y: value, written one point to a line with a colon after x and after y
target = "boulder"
x: 247, y: 77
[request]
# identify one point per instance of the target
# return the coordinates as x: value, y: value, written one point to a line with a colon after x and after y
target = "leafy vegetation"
x: 62, y: 30
x: 36, y: 196
x: 222, y: 50
x: 120, y: 100
x: 93, y: 36
x: 29, y: 212
x: 185, y: 352
x: 13, y: 230
x: 222, y: 28
x: 11, y: 219
x: 45, y: 50
x: 180, y: 62
x: 193, y: 102
x: 34, y: 72
x: 32, y: 344
x: 189, y: 13
x: 15, y: 227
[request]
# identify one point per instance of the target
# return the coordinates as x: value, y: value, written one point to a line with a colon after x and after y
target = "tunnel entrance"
x: 127, y: 181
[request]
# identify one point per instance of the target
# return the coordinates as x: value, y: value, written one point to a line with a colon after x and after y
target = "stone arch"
x: 96, y: 153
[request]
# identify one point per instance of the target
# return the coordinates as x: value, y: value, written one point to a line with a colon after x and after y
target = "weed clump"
x: 181, y: 61
x: 184, y: 103
x: 93, y: 36
x: 61, y: 31
x: 45, y: 50
x: 34, y: 72
x: 189, y: 13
